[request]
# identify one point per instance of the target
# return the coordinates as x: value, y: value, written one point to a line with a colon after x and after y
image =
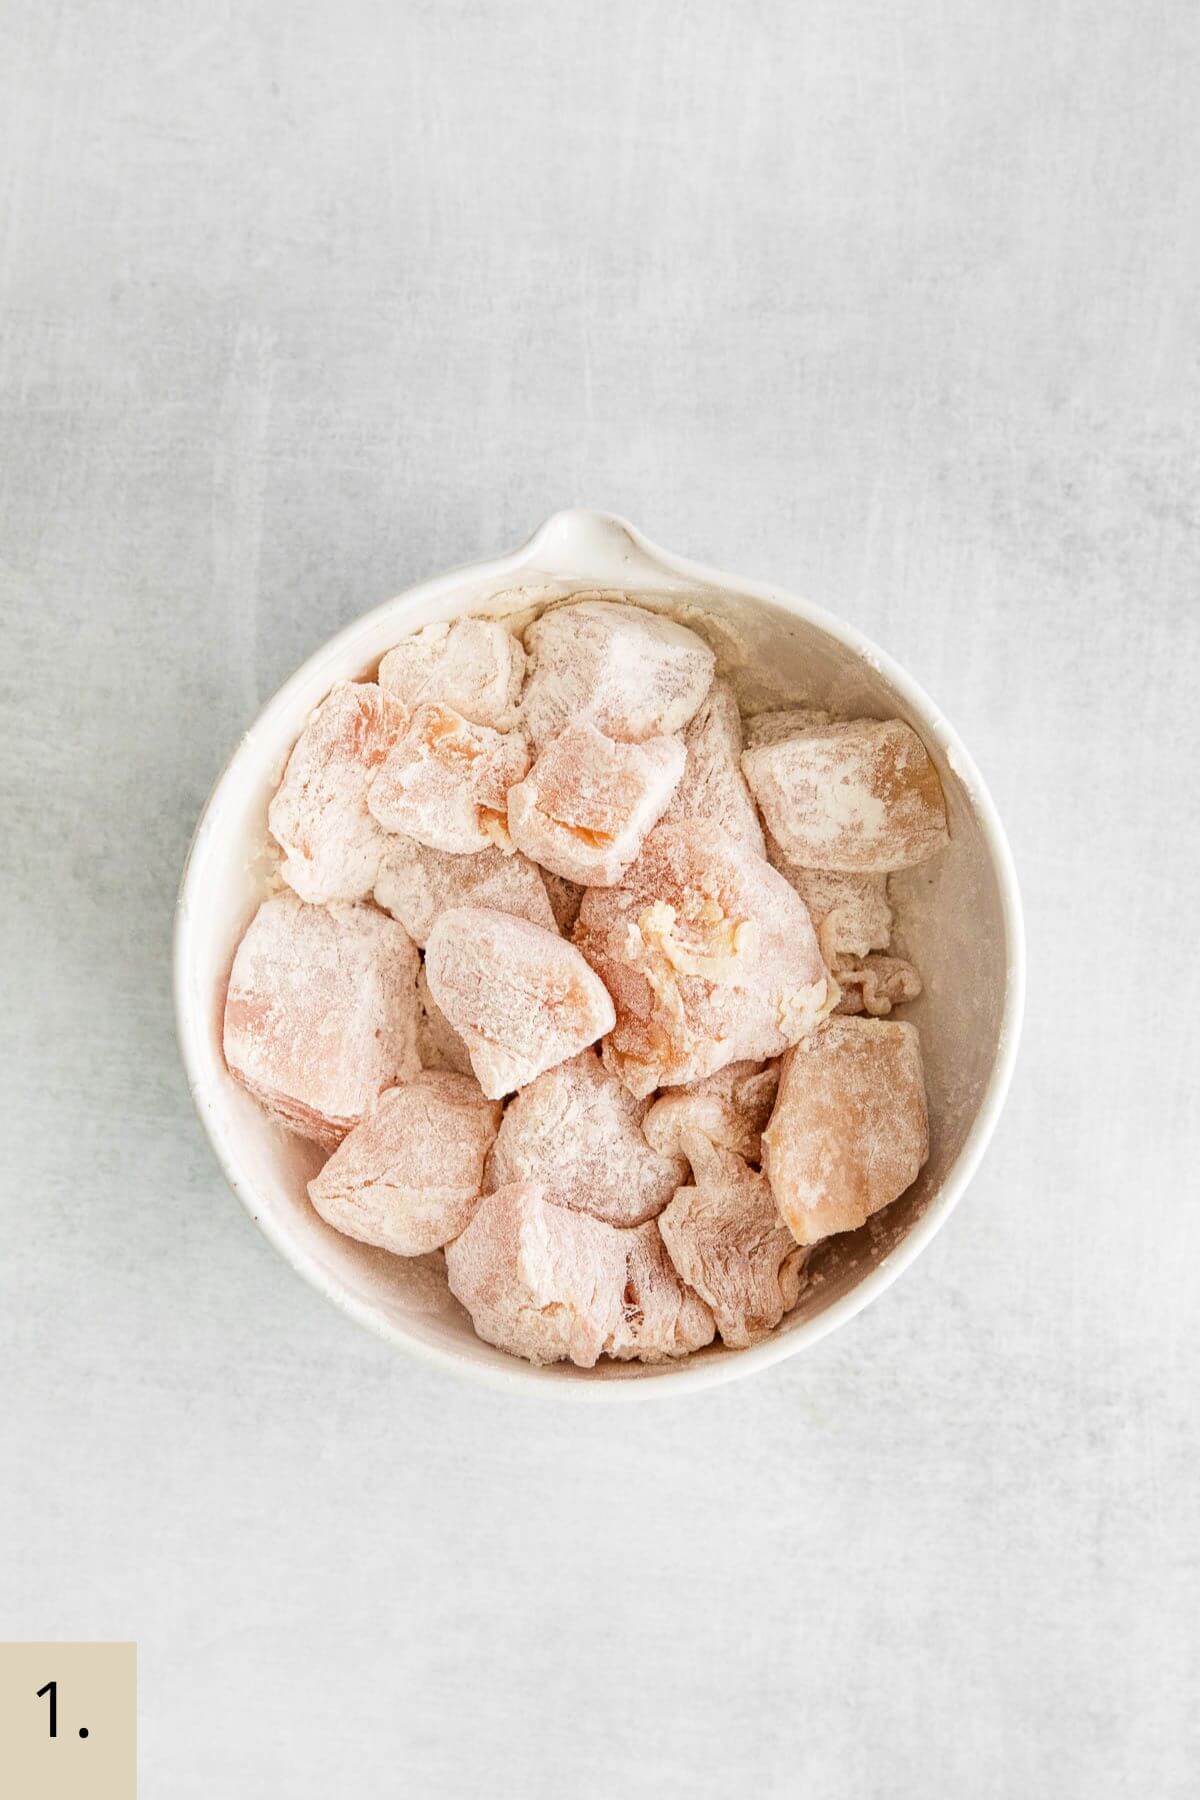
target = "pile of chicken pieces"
x: 584, y: 980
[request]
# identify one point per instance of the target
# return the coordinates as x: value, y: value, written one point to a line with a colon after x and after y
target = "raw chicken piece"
x: 709, y: 956
x: 522, y: 999
x: 587, y: 803
x: 566, y: 897
x: 538, y: 1280
x: 409, y: 1177
x: 661, y: 1317
x: 850, y: 913
x: 446, y: 782
x: 633, y: 674
x: 331, y: 844
x: 577, y: 1132
x: 730, y: 1109
x: 874, y: 984
x: 850, y: 1130
x: 861, y: 796
x: 321, y: 1012
x: 713, y: 786
x: 474, y: 666
x: 415, y: 884
x: 438, y: 1044
x: 726, y: 1239
x: 774, y: 727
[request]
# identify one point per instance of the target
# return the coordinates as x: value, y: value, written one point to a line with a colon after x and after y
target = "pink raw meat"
x: 850, y: 1129
x: 521, y: 998
x: 634, y: 674
x: 321, y: 1012
x: 409, y: 1177
x: 859, y: 795
x: 709, y: 956
x: 730, y: 1109
x: 331, y: 844
x: 726, y: 1239
x: 577, y: 1132
x: 446, y: 782
x: 587, y: 803
x: 661, y: 1317
x: 475, y: 666
x: 538, y: 1280
x: 713, y: 786
x: 415, y: 884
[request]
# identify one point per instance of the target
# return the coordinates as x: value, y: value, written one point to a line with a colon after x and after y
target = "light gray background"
x: 894, y: 304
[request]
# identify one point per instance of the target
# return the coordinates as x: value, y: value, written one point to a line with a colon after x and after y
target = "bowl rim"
x: 558, y: 538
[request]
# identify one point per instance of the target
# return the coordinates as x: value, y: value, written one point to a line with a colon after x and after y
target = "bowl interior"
x: 952, y: 916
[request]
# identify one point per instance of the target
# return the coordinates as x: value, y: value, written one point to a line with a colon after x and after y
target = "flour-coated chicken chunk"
x: 727, y: 1241
x: 577, y: 1131
x: 713, y: 786
x: 521, y: 998
x: 857, y: 795
x: 445, y: 782
x: 585, y: 807
x: 319, y: 816
x: 474, y: 666
x: 409, y: 1177
x: 321, y: 1012
x: 633, y: 674
x: 850, y: 1129
x: 538, y: 1280
x: 416, y: 884
x: 709, y: 956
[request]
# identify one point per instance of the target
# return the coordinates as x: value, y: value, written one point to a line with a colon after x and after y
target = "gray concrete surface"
x: 895, y: 304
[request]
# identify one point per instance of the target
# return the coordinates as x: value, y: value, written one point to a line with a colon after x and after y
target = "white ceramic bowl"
x: 961, y: 915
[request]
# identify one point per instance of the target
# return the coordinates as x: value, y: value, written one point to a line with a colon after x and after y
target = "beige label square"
x: 91, y: 1698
